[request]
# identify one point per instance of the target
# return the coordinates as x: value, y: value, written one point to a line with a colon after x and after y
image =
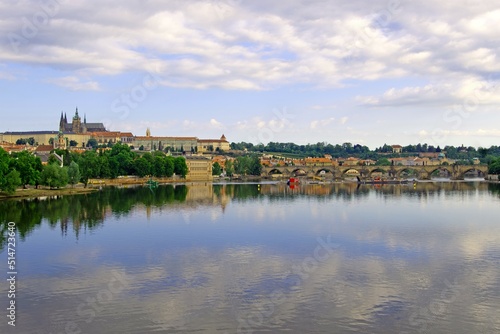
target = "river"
x: 257, y: 258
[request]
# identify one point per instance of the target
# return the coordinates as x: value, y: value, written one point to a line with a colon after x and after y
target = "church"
x: 77, y: 131
x: 77, y: 127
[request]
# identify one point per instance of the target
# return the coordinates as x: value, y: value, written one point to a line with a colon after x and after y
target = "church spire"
x: 65, y: 119
x: 85, y: 118
x: 76, y: 113
x: 61, y: 122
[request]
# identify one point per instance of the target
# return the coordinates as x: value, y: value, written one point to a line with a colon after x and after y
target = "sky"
x: 365, y: 72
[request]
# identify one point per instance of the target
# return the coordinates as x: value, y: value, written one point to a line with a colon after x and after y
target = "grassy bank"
x: 29, y: 193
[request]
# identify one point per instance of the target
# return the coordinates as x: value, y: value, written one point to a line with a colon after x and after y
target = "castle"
x: 77, y: 127
x: 78, y: 133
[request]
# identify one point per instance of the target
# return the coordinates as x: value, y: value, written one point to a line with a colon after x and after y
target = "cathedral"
x: 77, y: 127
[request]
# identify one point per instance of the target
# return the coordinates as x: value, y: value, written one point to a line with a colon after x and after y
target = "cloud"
x: 216, y: 124
x: 463, y: 91
x: 252, y: 46
x: 74, y: 83
x: 321, y: 123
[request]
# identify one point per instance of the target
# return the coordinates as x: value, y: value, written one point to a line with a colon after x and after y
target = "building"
x: 77, y: 127
x: 105, y: 137
x: 213, y: 145
x: 76, y: 131
x: 199, y: 168
x: 172, y: 144
x: 397, y: 148
x: 318, y: 162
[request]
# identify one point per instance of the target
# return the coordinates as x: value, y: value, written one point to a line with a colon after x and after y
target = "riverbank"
x: 32, y: 193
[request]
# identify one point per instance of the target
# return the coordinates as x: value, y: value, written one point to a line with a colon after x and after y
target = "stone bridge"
x: 456, y: 172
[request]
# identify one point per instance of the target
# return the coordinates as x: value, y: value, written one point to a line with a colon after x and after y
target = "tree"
x: 54, y: 176
x: 89, y: 167
x: 169, y: 166
x: 383, y: 162
x: 73, y: 143
x: 73, y: 173
x: 52, y: 160
x: 494, y: 167
x: 142, y: 167
x: 29, y: 167
x: 92, y: 143
x: 216, y: 169
x: 229, y: 168
x: 11, y: 181
x: 180, y: 167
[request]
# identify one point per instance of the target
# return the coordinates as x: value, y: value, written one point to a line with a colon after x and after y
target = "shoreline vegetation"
x: 97, y: 184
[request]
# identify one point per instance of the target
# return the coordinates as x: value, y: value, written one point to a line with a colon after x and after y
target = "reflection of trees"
x: 86, y: 211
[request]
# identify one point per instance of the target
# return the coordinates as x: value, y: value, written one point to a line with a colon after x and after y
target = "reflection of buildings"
x: 204, y: 194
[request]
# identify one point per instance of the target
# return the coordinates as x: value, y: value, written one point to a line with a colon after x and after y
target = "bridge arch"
x: 472, y: 169
x: 299, y: 171
x: 324, y: 169
x: 447, y: 168
x: 414, y: 171
x: 276, y: 171
x: 351, y: 172
x: 377, y: 170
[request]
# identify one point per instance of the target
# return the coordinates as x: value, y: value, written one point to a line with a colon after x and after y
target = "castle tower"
x: 84, y: 125
x: 61, y: 122
x: 148, y: 133
x: 77, y: 123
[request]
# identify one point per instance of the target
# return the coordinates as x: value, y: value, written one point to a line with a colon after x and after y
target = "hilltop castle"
x: 78, y: 134
x: 77, y: 127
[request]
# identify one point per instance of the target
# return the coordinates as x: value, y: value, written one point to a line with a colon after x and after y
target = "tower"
x: 77, y: 123
x: 61, y: 122
x: 84, y: 125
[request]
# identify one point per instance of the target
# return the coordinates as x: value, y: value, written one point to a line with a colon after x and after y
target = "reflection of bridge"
x: 456, y: 172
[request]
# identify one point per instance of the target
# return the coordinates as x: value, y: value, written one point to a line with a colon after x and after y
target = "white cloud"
x: 74, y: 83
x: 321, y: 123
x: 216, y: 124
x: 252, y: 46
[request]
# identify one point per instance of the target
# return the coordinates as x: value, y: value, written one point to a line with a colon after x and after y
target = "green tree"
x: 29, y: 167
x: 180, y: 167
x: 73, y: 143
x: 89, y: 167
x: 73, y: 173
x: 159, y: 165
x: 54, y: 176
x: 142, y: 167
x: 494, y: 166
x: 229, y: 168
x: 216, y: 169
x: 10, y: 182
x: 383, y: 162
x: 92, y: 143
x: 169, y: 166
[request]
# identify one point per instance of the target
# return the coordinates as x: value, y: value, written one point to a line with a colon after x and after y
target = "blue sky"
x: 367, y: 72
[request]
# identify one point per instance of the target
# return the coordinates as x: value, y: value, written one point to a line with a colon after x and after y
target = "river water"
x: 249, y: 258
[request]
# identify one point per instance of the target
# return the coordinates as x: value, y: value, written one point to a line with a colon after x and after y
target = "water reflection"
x: 247, y: 258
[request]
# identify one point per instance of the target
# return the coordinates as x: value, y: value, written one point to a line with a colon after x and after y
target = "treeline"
x: 312, y: 150
x: 24, y: 168
x: 120, y: 160
x: 363, y: 152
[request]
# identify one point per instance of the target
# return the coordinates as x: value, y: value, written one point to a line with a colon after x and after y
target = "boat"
x: 293, y: 180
